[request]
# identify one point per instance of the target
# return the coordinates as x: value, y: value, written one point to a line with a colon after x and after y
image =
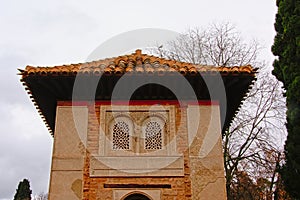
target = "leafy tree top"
x: 23, y: 192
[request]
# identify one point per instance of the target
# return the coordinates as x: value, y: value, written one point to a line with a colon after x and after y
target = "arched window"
x: 120, y: 135
x: 153, y: 133
x: 137, y: 197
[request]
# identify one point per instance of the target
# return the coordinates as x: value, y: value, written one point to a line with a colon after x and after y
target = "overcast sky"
x: 67, y: 31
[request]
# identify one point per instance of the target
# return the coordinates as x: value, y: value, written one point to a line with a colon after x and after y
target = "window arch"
x: 137, y: 196
x: 121, y: 130
x: 120, y: 136
x: 153, y: 132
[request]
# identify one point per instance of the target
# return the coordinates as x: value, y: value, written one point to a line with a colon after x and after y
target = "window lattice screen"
x: 121, y: 136
x: 153, y: 136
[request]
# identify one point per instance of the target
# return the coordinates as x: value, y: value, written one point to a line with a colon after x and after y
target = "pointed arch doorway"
x: 137, y: 196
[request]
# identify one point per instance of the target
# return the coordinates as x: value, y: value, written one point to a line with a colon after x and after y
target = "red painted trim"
x: 137, y: 102
x: 73, y: 103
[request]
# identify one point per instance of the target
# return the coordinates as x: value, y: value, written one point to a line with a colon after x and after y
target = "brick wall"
x: 202, y: 175
x: 96, y: 187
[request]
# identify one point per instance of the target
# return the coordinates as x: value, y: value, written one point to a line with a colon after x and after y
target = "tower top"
x: 48, y: 85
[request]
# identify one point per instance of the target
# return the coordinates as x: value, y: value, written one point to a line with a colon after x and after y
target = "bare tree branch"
x: 251, y: 143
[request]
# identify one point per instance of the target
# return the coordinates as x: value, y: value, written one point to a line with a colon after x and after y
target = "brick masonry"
x: 94, y: 187
x: 203, y: 176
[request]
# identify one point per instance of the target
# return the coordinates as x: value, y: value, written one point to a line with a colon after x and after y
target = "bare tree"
x: 218, y: 45
x: 251, y: 143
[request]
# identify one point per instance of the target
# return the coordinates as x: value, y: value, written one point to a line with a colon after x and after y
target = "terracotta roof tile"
x: 134, y: 63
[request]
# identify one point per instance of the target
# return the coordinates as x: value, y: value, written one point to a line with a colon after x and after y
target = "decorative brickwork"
x: 180, y: 187
x: 202, y: 175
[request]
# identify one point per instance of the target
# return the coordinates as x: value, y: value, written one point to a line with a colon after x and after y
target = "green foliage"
x: 287, y: 69
x: 23, y: 192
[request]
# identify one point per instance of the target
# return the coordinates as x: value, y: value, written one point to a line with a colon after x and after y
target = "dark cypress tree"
x: 23, y: 192
x: 287, y: 69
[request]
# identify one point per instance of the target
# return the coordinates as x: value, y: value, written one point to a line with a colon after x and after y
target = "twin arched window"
x: 124, y: 137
